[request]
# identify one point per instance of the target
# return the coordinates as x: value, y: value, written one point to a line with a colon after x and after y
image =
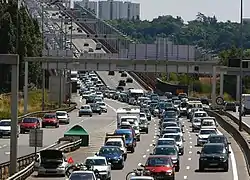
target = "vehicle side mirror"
x: 151, y: 153
x: 141, y: 165
x: 198, y: 152
x: 96, y: 154
x: 229, y: 152
x: 153, y: 144
x: 196, y: 134
x: 228, y: 143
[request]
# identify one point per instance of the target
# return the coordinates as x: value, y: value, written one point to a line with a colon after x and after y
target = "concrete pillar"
x: 238, y: 88
x: 214, y: 87
x: 221, y: 84
x: 54, y: 88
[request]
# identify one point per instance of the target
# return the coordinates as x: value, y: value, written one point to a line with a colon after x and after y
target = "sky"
x: 223, y: 9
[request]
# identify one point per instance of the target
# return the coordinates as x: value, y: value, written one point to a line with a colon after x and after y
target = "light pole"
x: 241, y: 60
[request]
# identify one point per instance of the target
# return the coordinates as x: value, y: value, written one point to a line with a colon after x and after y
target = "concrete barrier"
x: 240, y: 137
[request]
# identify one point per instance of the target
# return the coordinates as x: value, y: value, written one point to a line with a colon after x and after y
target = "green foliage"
x: 204, y: 31
x: 29, y: 43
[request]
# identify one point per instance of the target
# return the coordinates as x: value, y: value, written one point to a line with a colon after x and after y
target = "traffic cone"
x: 70, y: 160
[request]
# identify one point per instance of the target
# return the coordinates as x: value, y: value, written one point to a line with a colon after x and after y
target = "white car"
x: 167, y: 141
x: 137, y: 131
x: 82, y: 175
x: 103, y: 106
x: 100, y: 163
x: 177, y: 129
x: 203, y: 135
x: 141, y: 178
x: 196, y: 124
x: 143, y: 117
x: 179, y: 141
x: 62, y: 116
x: 199, y: 114
x: 99, y: 94
x: 5, y: 128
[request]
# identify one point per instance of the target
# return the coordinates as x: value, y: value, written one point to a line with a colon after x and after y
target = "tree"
x: 29, y: 43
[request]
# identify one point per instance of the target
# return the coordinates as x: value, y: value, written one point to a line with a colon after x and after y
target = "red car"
x: 29, y: 123
x: 50, y: 119
x: 160, y: 167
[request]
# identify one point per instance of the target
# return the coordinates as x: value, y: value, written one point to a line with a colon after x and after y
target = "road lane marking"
x: 234, y: 166
x: 187, y: 129
x: 190, y: 138
x: 188, y: 167
x: 151, y: 145
x: 144, y: 156
x: 153, y: 140
x: 189, y: 159
x: 189, y: 135
x: 190, y: 147
x: 190, y: 142
x: 190, y: 152
x: 185, y: 177
x: 148, y: 150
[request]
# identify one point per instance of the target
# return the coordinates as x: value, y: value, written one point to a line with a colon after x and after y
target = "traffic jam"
x: 133, y: 121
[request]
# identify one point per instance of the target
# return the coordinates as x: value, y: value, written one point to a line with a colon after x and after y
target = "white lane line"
x: 185, y: 177
x: 144, y: 156
x: 114, y: 109
x: 234, y: 166
x: 190, y: 138
x: 148, y: 150
x: 190, y: 142
x: 153, y: 140
x: 151, y: 145
x: 189, y: 159
x: 155, y: 124
x: 233, y: 161
x: 155, y: 127
x: 190, y: 147
x: 7, y: 153
x: 188, y: 167
x: 189, y: 135
x: 190, y: 152
x: 187, y: 129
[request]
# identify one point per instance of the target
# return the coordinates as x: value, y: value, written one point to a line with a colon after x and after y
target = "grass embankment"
x: 34, y: 103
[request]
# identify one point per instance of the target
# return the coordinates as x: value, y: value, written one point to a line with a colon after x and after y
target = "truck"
x: 125, y: 112
x: 116, y: 140
x: 245, y: 104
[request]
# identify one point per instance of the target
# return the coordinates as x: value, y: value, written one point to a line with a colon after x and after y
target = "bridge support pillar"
x: 238, y: 88
x: 56, y: 88
x: 214, y: 87
x: 221, y: 84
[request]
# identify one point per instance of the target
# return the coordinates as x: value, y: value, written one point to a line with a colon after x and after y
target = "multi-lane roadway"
x: 245, y: 119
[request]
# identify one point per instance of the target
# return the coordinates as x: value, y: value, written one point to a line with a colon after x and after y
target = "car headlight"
x: 174, y: 160
x: 170, y: 171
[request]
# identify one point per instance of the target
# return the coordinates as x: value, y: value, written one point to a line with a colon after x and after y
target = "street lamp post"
x: 241, y: 60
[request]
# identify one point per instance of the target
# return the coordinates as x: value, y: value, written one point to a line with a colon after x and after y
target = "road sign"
x: 36, y: 138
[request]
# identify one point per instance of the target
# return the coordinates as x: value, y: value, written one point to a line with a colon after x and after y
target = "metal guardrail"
x: 28, y: 170
x: 25, y: 161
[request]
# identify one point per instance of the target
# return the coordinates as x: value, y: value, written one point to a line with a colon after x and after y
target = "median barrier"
x: 24, y: 161
x: 140, y: 81
x: 242, y: 138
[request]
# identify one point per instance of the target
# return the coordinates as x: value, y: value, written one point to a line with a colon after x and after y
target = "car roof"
x: 166, y: 139
x: 164, y: 146
x: 214, y: 144
x: 157, y: 156
x: 109, y: 147
x: 61, y: 111
x: 196, y: 112
x: 96, y: 157
x: 142, y: 177
x: 6, y: 120
x: 114, y: 139
x: 217, y: 135
x: 172, y: 134
x: 207, y: 129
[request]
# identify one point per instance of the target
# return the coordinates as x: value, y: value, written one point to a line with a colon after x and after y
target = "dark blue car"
x: 129, y: 138
x: 114, y: 155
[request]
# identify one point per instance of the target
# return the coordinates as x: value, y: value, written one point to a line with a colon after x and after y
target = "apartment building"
x: 110, y: 9
x: 91, y: 5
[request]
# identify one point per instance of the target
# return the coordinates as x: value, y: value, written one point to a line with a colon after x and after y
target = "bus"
x: 135, y: 93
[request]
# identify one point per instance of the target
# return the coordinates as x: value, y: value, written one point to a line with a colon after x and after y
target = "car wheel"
x: 201, y: 168
x: 146, y: 131
x: 90, y: 115
x: 43, y: 126
x: 132, y: 150
x: 177, y: 169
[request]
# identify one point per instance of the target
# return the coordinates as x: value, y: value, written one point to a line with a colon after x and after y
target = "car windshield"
x: 111, y: 150
x: 169, y: 125
x: 85, y: 107
x: 4, y: 123
x: 101, y: 104
x: 208, y: 131
x: 207, y: 123
x: 48, y: 116
x: 30, y: 120
x: 165, y: 131
x: 166, y: 142
x: 136, y: 128
x: 200, y: 114
x: 177, y: 138
x: 143, y: 115
x: 216, y: 139
x: 81, y: 176
x: 165, y: 151
x: 127, y: 135
x: 170, y: 113
x: 61, y: 114
x: 213, y: 149
x: 158, y: 161
x: 95, y: 162
x: 196, y: 120
x: 113, y: 143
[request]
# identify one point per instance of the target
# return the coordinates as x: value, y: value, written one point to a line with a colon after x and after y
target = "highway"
x: 245, y: 119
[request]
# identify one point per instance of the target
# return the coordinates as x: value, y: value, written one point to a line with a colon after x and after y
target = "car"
x: 96, y: 108
x: 178, y: 139
x: 230, y: 106
x: 144, y: 125
x: 169, y: 150
x: 166, y: 141
x: 98, y: 46
x: 91, y: 49
x: 111, y: 73
x: 5, y: 128
x: 203, y: 135
x: 120, y: 88
x: 124, y: 74
x: 159, y: 166
x: 213, y: 155
x: 196, y: 124
x: 50, y: 119
x: 122, y: 83
x: 177, y: 130
x: 62, y: 116
x: 218, y: 138
x: 129, y: 80
x: 85, y: 110
x: 101, y: 164
x: 198, y: 114
x: 141, y: 178
x: 29, y: 123
x: 129, y: 138
x: 82, y: 175
x: 103, y: 106
x: 114, y: 155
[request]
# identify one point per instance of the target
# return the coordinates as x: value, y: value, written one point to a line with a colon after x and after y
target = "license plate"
x: 5, y: 133
x: 50, y: 171
x: 213, y: 164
